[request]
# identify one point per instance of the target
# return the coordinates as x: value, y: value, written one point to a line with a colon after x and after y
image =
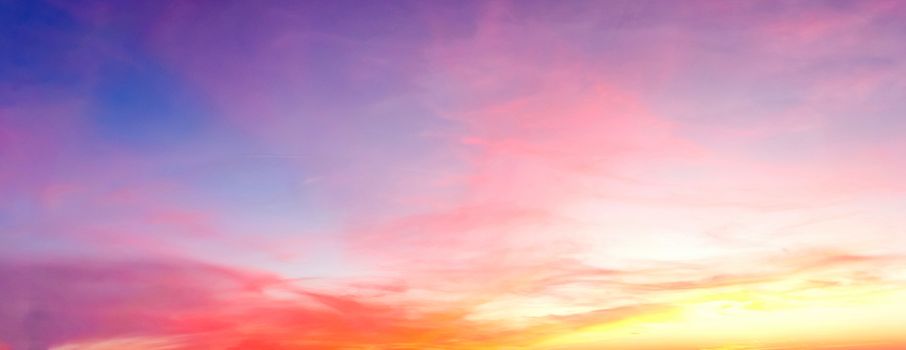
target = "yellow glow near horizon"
x: 746, y: 320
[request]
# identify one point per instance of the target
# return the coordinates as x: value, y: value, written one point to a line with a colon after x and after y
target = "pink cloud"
x: 540, y: 172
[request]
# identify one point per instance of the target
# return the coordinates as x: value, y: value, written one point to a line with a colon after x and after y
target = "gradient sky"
x: 525, y: 175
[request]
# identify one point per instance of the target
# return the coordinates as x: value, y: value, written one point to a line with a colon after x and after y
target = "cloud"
x: 488, y: 175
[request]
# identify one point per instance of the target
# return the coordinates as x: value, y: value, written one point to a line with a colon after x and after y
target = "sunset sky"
x: 452, y: 175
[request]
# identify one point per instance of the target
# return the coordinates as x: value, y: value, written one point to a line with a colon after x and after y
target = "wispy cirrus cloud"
x: 504, y: 175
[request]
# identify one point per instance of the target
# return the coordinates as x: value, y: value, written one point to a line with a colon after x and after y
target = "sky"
x: 450, y: 175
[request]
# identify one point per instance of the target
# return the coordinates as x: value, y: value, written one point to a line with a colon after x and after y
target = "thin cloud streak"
x: 470, y: 175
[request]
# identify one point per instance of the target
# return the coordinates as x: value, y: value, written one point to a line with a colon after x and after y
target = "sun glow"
x: 452, y: 175
x: 747, y: 320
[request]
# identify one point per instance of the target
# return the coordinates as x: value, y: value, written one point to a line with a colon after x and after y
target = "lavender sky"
x: 508, y: 175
